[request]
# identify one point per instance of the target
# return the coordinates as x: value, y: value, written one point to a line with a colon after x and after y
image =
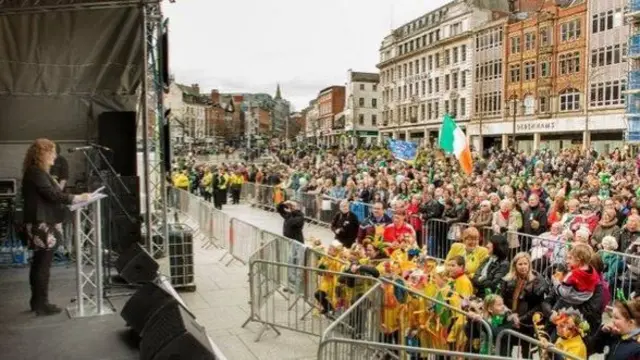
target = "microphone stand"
x: 107, y: 262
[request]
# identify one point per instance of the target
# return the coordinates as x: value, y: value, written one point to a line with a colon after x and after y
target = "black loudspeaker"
x: 165, y: 55
x: 124, y: 229
x: 135, y: 265
x: 166, y: 146
x: 181, y: 255
x: 117, y: 131
x: 173, y: 333
x: 144, y: 304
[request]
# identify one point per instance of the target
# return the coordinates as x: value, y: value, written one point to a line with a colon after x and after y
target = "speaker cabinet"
x: 144, y: 304
x: 135, y: 265
x: 181, y: 255
x: 117, y: 131
x: 173, y: 333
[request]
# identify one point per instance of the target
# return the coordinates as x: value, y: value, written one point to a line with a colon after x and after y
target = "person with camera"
x: 293, y: 220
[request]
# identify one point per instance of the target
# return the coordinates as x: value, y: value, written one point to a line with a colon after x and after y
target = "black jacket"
x: 348, y: 225
x: 432, y: 210
x: 293, y: 223
x: 530, y: 299
x: 619, y: 349
x: 538, y: 214
x: 43, y: 199
x: 497, y: 270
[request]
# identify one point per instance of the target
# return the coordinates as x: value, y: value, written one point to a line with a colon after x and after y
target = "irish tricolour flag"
x: 454, y: 141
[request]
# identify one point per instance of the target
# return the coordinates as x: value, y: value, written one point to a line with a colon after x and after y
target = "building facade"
x: 312, y: 127
x: 330, y: 104
x: 488, y: 82
x: 633, y: 75
x: 362, y: 110
x: 563, y: 78
x: 426, y: 71
x: 188, y: 108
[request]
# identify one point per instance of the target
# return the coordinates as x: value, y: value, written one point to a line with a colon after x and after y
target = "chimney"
x: 196, y: 88
x: 215, y: 96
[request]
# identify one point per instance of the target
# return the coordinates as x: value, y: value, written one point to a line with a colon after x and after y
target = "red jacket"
x: 395, y: 234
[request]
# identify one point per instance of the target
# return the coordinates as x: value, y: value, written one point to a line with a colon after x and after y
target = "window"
x: 463, y: 107
x: 463, y: 79
x: 455, y: 29
x: 361, y: 119
x: 374, y: 103
x: 447, y: 57
x: 529, y: 105
x: 608, y: 55
x: 454, y: 80
x: 424, y: 65
x: 455, y: 55
x: 545, y: 104
x: 570, y: 100
x: 606, y: 20
x: 430, y: 62
x: 374, y: 120
x: 430, y: 86
x: 447, y: 82
x: 529, y: 70
x: 446, y: 107
x: 515, y: 44
x: 569, y: 63
x: 436, y: 81
x: 529, y: 41
x: 422, y: 112
x: 545, y: 36
x: 489, y: 70
x: 463, y: 53
x: 488, y: 104
x: 437, y: 60
x: 608, y: 93
x: 429, y: 111
x: 375, y: 87
x: 570, y: 30
x: 361, y: 86
x: 424, y: 90
x: 361, y: 101
x: 514, y: 73
x: 545, y: 69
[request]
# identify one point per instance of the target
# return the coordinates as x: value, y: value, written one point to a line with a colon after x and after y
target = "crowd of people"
x: 528, y: 241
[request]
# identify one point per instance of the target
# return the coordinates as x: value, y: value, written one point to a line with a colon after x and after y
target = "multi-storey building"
x: 633, y: 76
x: 425, y: 71
x: 559, y: 89
x: 362, y: 107
x: 488, y: 81
x: 312, y: 128
x: 330, y: 105
x: 607, y: 74
x: 188, y: 109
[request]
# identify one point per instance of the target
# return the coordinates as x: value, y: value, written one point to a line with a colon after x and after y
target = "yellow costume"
x: 462, y: 289
x: 574, y: 346
x: 472, y: 259
x: 181, y: 181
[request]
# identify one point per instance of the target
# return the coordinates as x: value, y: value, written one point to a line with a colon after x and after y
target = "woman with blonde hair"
x: 523, y: 291
x: 43, y: 200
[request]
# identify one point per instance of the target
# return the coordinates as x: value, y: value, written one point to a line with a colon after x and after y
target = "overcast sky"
x: 251, y: 45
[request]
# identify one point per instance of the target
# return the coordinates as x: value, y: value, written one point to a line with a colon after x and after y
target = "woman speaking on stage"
x: 43, y: 200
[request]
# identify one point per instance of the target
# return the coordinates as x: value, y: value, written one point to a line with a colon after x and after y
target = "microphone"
x: 80, y: 148
x: 101, y: 147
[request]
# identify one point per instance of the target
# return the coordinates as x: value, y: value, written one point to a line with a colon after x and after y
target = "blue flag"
x: 403, y: 150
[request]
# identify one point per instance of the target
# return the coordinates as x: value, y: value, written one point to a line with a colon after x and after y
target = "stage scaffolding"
x: 150, y: 109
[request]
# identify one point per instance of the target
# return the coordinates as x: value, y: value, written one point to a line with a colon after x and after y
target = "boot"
x: 47, y: 310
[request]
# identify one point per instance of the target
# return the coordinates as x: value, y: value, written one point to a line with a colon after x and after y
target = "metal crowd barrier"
x: 348, y: 349
x: 428, y: 322
x: 308, y: 306
x: 523, y: 345
x: 622, y: 271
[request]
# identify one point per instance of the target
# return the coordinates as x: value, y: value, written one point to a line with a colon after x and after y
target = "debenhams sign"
x: 535, y: 126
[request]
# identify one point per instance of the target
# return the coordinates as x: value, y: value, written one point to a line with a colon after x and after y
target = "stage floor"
x: 25, y: 336
x: 220, y: 304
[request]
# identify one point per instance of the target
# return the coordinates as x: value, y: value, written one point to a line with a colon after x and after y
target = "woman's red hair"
x: 37, y: 154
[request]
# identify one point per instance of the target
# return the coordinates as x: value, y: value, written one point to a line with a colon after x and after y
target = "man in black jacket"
x: 293, y: 220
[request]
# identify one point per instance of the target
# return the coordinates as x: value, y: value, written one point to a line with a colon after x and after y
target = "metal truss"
x: 152, y: 113
x: 88, y: 252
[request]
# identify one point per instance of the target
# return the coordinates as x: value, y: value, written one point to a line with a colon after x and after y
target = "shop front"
x: 605, y: 133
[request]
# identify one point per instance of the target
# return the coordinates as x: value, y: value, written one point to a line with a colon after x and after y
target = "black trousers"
x: 235, y: 194
x: 218, y: 196
x: 39, y: 277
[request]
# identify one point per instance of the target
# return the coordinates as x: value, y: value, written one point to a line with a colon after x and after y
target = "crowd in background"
x: 544, y: 233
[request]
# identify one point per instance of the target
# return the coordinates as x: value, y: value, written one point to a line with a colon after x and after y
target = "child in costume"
x: 327, y: 281
x: 571, y: 328
x: 393, y: 298
x: 462, y: 289
x: 497, y: 315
